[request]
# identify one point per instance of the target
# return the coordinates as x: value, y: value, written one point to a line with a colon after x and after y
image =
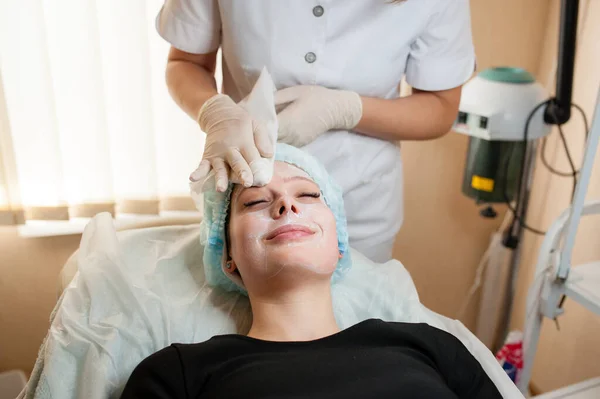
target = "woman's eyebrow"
x: 287, y: 179
x: 244, y: 189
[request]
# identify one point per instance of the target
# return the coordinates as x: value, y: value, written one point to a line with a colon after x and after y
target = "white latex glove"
x: 233, y: 141
x: 309, y: 111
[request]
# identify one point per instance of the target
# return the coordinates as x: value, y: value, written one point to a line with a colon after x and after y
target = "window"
x: 86, y: 121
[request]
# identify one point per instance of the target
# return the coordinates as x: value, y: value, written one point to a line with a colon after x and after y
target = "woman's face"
x: 282, y: 230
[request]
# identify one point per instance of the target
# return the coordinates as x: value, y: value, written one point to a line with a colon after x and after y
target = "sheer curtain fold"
x: 11, y: 211
x: 84, y: 103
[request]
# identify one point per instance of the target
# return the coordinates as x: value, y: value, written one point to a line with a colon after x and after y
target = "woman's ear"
x: 340, y: 255
x: 230, y: 265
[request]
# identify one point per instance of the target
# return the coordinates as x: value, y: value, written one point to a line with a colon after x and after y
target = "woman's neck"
x: 301, y: 315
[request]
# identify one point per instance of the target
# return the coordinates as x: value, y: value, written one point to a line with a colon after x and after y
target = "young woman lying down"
x: 283, y: 245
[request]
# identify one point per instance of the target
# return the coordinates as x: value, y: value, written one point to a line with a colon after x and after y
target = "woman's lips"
x: 289, y: 232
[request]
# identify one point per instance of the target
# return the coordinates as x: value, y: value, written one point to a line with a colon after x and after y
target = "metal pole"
x: 559, y: 110
x: 522, y: 201
x: 580, y: 192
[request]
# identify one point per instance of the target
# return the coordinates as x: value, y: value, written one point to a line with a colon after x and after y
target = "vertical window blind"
x: 86, y: 122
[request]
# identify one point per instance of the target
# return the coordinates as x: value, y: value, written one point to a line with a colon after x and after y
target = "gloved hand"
x: 309, y: 111
x: 233, y: 141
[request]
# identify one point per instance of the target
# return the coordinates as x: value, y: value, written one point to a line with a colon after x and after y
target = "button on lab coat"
x: 362, y: 45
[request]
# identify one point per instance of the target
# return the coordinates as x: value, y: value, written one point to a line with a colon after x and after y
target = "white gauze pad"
x: 260, y: 104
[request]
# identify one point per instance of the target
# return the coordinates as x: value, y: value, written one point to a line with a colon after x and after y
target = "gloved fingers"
x: 240, y: 167
x: 221, y: 173
x: 298, y: 130
x: 262, y: 170
x: 262, y: 141
x: 251, y: 155
x: 284, y: 122
x: 288, y: 95
x: 201, y: 172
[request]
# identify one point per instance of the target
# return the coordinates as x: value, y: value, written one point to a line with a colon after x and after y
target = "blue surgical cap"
x: 216, y: 206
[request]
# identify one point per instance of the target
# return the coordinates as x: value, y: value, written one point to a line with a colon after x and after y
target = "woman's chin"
x: 299, y: 258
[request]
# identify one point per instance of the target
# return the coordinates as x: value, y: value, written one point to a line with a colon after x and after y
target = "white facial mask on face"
x: 306, y: 214
x: 302, y: 218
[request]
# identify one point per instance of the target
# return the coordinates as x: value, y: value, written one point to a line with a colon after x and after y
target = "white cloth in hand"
x: 240, y: 138
x: 306, y: 112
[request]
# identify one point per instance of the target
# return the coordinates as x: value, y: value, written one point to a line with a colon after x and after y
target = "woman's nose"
x: 284, y: 205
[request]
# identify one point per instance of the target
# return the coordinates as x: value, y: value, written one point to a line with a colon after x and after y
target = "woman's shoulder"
x: 166, y: 355
x: 405, y: 325
x: 183, y: 352
x: 384, y: 325
x: 169, y: 367
x: 186, y: 355
x: 420, y: 331
x: 214, y: 350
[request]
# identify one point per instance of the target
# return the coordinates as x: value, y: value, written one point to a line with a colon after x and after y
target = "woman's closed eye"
x: 315, y: 195
x: 257, y: 201
x: 251, y: 203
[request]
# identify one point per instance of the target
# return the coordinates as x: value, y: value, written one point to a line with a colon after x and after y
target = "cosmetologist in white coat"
x: 337, y: 66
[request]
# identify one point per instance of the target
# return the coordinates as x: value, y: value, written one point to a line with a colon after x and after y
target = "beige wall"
x: 571, y: 354
x: 443, y: 236
x: 28, y: 284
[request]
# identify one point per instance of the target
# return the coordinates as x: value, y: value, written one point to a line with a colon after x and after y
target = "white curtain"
x: 87, y: 121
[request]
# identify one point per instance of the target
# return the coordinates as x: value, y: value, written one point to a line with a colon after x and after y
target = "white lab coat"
x: 361, y: 45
